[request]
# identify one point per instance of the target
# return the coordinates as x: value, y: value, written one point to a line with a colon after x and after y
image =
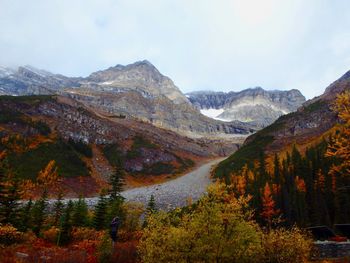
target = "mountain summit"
x: 142, y: 76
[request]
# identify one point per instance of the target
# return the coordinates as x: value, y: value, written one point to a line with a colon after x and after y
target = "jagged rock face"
x: 137, y: 90
x: 161, y: 112
x: 252, y: 105
x: 28, y: 80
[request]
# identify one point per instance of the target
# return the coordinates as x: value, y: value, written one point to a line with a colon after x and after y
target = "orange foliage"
x: 300, y: 183
x: 27, y: 187
x: 340, y: 147
x: 2, y: 155
x: 269, y: 211
x: 320, y: 181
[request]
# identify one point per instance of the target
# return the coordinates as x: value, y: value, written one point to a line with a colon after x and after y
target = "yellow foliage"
x: 9, y: 235
x: 286, y: 246
x: 48, y: 177
x: 340, y: 146
x: 51, y: 234
x: 133, y: 212
x: 27, y: 188
x: 217, y: 230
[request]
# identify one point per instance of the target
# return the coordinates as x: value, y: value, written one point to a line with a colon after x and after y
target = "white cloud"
x: 200, y: 44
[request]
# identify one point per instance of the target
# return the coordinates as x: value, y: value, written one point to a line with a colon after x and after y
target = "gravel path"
x: 170, y: 194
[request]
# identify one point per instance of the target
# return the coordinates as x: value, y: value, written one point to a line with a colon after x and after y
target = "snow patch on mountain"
x: 213, y: 113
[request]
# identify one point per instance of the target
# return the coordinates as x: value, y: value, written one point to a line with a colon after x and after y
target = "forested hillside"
x: 296, y: 170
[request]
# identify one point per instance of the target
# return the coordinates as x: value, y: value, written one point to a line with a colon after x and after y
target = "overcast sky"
x: 200, y: 44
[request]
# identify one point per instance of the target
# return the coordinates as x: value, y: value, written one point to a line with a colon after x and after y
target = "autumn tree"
x: 340, y: 146
x: 269, y: 210
x: 218, y: 229
x: 48, y: 177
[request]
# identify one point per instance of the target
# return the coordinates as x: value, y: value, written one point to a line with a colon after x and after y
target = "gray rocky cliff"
x: 251, y: 105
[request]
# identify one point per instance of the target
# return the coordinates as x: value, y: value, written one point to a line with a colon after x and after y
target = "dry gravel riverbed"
x: 170, y: 194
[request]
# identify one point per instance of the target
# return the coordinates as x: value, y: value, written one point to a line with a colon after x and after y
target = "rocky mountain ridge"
x: 136, y: 91
x: 254, y: 105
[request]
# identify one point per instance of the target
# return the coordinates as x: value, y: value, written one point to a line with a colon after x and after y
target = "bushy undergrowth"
x: 218, y: 228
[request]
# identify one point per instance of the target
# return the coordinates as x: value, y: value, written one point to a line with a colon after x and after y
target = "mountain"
x: 136, y: 91
x: 307, y: 126
x: 28, y: 80
x: 251, y: 105
x: 37, y: 129
x: 140, y: 76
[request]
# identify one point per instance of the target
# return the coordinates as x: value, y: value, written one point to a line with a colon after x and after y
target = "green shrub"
x: 113, y: 154
x: 81, y: 147
x: 42, y: 127
x: 29, y: 163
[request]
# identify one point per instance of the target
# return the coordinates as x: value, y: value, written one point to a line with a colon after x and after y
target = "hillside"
x: 86, y: 145
x: 309, y: 123
x: 297, y: 168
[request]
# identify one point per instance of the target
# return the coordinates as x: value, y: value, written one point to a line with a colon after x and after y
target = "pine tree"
x: 9, y: 194
x: 39, y: 213
x: 116, y: 182
x: 100, y: 213
x: 58, y: 209
x: 80, y: 215
x: 151, y: 206
x: 66, y: 225
x: 25, y: 216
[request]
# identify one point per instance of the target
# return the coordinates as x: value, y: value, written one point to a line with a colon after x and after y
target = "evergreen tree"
x: 114, y: 208
x: 25, y: 216
x: 66, y: 225
x: 39, y: 213
x: 151, y: 206
x: 9, y: 195
x: 80, y: 215
x: 116, y: 182
x: 58, y: 209
x: 100, y: 213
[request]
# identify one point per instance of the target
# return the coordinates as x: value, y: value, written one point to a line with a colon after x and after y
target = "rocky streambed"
x: 170, y: 194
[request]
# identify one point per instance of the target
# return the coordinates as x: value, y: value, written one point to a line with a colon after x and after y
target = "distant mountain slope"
x: 251, y: 105
x: 28, y: 80
x: 85, y: 145
x: 137, y: 91
x: 308, y: 124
